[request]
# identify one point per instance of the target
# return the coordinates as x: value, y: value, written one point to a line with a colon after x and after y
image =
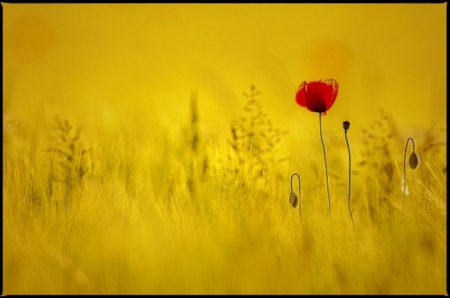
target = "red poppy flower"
x: 317, y: 96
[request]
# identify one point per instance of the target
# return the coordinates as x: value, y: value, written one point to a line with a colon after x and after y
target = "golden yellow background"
x: 149, y: 200
x: 90, y: 61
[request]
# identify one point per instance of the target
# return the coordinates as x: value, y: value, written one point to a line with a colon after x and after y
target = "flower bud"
x: 293, y: 199
x: 414, y: 160
x: 346, y: 125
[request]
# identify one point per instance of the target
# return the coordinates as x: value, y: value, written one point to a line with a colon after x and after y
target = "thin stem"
x: 350, y: 184
x: 299, y: 195
x: 326, y: 172
x: 404, y: 178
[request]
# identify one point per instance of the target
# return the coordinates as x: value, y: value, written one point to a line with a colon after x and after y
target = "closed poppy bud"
x: 293, y: 199
x: 414, y: 160
x: 346, y: 125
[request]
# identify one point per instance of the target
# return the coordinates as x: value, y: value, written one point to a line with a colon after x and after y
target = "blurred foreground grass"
x: 139, y: 209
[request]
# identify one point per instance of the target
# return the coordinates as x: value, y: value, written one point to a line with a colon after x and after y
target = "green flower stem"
x: 404, y: 178
x: 326, y: 173
x: 299, y: 195
x: 350, y: 184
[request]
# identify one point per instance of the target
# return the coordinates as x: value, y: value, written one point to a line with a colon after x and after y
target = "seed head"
x: 414, y: 160
x: 293, y: 199
x: 346, y: 125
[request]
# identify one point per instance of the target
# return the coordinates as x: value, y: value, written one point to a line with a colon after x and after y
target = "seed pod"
x: 414, y: 160
x: 293, y: 199
x: 346, y: 125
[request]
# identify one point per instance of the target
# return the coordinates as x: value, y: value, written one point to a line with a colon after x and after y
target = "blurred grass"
x: 135, y: 225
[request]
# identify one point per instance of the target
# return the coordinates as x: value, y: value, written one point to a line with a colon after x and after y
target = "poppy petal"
x: 332, y: 92
x: 317, y: 96
x: 315, y: 100
x: 300, y: 97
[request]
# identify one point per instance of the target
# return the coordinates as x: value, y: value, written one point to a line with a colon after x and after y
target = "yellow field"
x: 129, y: 169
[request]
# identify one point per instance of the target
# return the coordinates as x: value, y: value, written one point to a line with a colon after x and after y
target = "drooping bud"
x: 293, y: 199
x: 346, y: 125
x: 414, y: 160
